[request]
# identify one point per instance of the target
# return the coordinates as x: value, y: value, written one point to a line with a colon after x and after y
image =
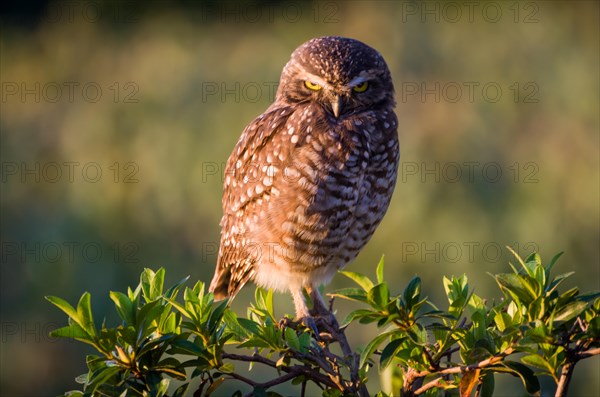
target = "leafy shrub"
x: 462, y: 349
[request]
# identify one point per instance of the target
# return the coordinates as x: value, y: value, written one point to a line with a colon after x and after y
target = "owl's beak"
x: 336, y: 105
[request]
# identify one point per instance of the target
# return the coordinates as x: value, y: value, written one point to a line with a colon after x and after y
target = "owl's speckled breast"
x: 335, y: 189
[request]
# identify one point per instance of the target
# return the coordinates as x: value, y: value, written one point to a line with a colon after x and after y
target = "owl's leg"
x: 299, y: 303
x: 302, y: 312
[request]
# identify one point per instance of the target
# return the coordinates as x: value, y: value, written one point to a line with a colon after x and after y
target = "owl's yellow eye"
x: 312, y: 86
x: 362, y: 87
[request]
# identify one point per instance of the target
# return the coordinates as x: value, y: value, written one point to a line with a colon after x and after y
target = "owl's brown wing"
x: 247, y: 183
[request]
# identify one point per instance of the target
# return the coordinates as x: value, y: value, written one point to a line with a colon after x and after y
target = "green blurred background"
x: 117, y: 118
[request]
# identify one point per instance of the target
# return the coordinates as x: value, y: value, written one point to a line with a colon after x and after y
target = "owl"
x: 310, y: 179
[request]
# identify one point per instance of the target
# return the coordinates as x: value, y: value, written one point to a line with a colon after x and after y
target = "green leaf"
x: 184, y: 346
x: 514, y: 311
x: 520, y: 287
x: 84, y: 311
x: 171, y: 371
x: 457, y: 290
x: 379, y: 296
x: 216, y: 315
x: 517, y: 257
x: 172, y: 292
x: 273, y: 335
x: 211, y: 389
x: 64, y: 306
x: 390, y: 351
x: 94, y: 362
x: 357, y: 314
x: 438, y: 314
x: 487, y: 385
x: 567, y: 297
x: 304, y: 342
x: 292, y: 339
x: 379, y: 270
x: 417, y: 334
x: 362, y: 280
x: 182, y: 310
x: 149, y: 313
x: 124, y: 307
x: 250, y: 326
x: 231, y: 319
x: 163, y: 387
x: 255, y: 341
x: 181, y: 390
x: 503, y: 321
x: 479, y: 352
x: 73, y: 331
x: 101, y: 377
x: 170, y: 324
x: 264, y: 300
x: 570, y: 311
x: 476, y: 305
x: 532, y: 264
x: 354, y: 294
x: 227, y: 368
x: 589, y: 297
x: 372, y: 346
x: 412, y: 292
x: 538, y: 334
x: 557, y: 280
x: 540, y: 362
x: 553, y: 261
x: 530, y: 381
x: 152, y: 284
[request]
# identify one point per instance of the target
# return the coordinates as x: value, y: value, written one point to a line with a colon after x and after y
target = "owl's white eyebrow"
x: 357, y: 80
x: 316, y: 79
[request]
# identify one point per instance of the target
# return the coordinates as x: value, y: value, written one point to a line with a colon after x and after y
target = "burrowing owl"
x: 311, y: 178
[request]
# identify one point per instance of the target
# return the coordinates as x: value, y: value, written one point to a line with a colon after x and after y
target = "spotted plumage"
x: 311, y: 178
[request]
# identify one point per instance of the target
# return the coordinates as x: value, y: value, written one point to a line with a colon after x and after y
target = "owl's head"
x: 343, y: 75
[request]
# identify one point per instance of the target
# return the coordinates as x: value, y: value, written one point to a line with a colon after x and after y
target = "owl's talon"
x: 286, y: 322
x: 310, y: 323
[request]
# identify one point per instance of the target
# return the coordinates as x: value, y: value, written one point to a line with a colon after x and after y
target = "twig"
x: 565, y: 378
x: 566, y: 372
x: 470, y: 367
x: 274, y: 382
x: 587, y: 353
x: 296, y: 369
x: 340, y: 336
x: 414, y: 379
x: 434, y: 383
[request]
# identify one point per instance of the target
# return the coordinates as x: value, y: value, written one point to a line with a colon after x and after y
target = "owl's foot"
x: 307, y: 321
x: 310, y: 323
x: 287, y: 322
x: 322, y: 328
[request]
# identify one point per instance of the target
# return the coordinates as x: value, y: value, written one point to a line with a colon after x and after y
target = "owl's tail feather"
x: 219, y: 285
